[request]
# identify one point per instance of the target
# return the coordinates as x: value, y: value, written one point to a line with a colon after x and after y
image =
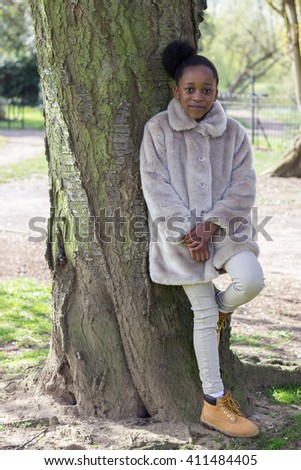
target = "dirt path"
x: 21, y: 145
x: 273, y: 318
x: 20, y: 202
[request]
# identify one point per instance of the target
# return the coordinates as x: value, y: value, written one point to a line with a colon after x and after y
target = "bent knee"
x: 250, y: 286
x: 255, y: 287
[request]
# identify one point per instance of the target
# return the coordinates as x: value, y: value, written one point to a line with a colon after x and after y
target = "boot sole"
x: 209, y: 426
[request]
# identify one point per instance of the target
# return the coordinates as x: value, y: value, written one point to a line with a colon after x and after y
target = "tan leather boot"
x: 221, y: 324
x: 223, y: 414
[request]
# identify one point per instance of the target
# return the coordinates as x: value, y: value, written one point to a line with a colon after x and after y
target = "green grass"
x: 268, y: 152
x: 251, y: 340
x: 256, y: 340
x: 288, y: 434
x: 264, y: 158
x: 33, y: 119
x: 284, y: 434
x: 24, y: 169
x: 288, y: 116
x: 2, y: 141
x: 25, y: 313
x: 288, y: 394
x: 286, y: 437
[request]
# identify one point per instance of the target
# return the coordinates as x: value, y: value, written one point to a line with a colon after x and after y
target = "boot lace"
x: 222, y: 320
x: 230, y: 405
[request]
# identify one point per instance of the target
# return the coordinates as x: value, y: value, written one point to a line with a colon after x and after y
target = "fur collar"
x: 214, y: 124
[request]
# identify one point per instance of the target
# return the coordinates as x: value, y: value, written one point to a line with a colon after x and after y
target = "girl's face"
x: 196, y: 90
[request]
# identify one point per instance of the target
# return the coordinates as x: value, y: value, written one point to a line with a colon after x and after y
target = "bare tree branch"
x: 278, y: 10
x: 251, y: 67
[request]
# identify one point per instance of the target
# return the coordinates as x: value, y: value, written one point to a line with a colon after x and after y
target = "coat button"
x: 203, y: 185
x: 202, y: 159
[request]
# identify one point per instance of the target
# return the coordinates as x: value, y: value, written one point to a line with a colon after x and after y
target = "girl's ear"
x: 216, y: 95
x: 176, y: 92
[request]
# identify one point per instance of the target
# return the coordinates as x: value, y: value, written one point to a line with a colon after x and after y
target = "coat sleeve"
x: 238, y: 199
x: 166, y: 208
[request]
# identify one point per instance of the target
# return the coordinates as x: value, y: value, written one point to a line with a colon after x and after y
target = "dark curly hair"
x: 180, y: 54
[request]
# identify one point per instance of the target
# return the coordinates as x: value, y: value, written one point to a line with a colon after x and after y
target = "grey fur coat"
x: 194, y: 171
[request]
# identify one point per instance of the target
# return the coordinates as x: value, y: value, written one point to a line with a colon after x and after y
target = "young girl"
x: 199, y: 186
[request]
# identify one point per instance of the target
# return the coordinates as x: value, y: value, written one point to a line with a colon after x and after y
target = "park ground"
x: 272, y: 321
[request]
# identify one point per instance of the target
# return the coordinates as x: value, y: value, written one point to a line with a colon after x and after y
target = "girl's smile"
x: 196, y: 90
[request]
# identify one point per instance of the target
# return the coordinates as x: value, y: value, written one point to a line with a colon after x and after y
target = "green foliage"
x: 236, y: 42
x: 25, y: 308
x: 20, y: 79
x: 18, y: 66
x: 16, y: 31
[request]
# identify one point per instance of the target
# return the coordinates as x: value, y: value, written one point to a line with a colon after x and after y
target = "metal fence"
x: 270, y: 123
x: 12, y: 111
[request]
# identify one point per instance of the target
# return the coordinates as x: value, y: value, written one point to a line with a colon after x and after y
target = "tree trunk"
x: 121, y: 345
x: 290, y: 165
x: 290, y: 11
x: 294, y: 41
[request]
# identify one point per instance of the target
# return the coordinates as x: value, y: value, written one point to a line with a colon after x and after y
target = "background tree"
x: 263, y: 44
x: 290, y: 11
x: 18, y: 65
x: 16, y: 29
x: 243, y: 46
x: 121, y: 345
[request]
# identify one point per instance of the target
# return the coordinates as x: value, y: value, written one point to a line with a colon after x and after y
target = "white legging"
x: 247, y: 281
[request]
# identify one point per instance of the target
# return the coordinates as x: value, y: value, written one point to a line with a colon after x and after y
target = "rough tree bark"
x: 121, y: 345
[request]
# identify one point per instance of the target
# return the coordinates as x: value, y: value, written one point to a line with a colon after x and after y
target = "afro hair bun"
x: 175, y: 53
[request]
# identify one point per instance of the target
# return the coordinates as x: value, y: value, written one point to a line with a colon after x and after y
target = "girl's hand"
x: 196, y: 240
x: 199, y: 252
x: 201, y: 233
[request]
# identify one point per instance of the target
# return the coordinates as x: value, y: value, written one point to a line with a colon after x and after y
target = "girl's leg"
x: 247, y: 281
x: 219, y: 411
x: 203, y: 304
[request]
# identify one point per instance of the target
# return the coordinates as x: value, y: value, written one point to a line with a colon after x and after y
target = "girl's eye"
x: 207, y: 91
x: 189, y: 90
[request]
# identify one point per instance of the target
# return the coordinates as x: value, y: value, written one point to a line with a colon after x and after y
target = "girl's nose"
x: 198, y: 96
